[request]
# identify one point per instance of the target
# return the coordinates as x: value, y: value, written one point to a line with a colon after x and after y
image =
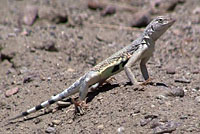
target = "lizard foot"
x: 80, y: 106
x: 147, y: 82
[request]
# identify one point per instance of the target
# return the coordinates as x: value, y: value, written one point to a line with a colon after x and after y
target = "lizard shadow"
x: 106, y: 87
x: 157, y: 84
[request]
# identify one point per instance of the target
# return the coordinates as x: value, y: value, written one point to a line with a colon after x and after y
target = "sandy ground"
x: 43, y: 59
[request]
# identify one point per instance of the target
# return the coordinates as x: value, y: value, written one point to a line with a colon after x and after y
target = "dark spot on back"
x: 124, y: 63
x: 115, y: 69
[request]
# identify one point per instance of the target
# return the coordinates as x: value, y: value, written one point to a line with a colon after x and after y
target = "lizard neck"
x: 151, y: 33
x: 148, y: 40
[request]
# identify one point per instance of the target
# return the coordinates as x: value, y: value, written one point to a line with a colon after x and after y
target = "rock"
x: 100, y: 126
x: 175, y: 92
x: 7, y: 54
x: 50, y: 130
x: 155, y: 123
x: 141, y: 19
x: 37, y: 120
x: 182, y: 81
x: 196, y: 10
x: 151, y: 116
x: 108, y: 10
x: 160, y: 97
x: 144, y: 122
x: 197, y: 99
x: 12, y: 34
x: 168, y: 127
x: 56, y: 122
x: 63, y: 103
x: 48, y: 46
x: 28, y: 79
x: 171, y: 70
x: 11, y: 91
x: 30, y: 14
x: 196, y: 71
x: 53, y: 15
x: 70, y: 70
x: 147, y: 119
x: 93, y: 4
x: 165, y: 5
x: 26, y: 32
x: 23, y: 70
x: 120, y: 130
x: 48, y: 78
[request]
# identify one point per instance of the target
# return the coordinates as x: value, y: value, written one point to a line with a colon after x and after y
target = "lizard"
x: 140, y: 49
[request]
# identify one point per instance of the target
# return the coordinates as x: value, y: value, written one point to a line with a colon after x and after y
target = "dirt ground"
x: 42, y: 59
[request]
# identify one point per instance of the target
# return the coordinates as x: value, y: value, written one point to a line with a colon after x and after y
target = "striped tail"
x: 67, y: 92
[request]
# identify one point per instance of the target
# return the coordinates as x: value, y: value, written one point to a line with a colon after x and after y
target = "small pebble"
x: 70, y: 121
x: 26, y: 32
x: 28, y: 79
x: 161, y: 97
x: 168, y: 127
x: 48, y: 46
x: 197, y: 99
x: 155, y: 123
x: 196, y: 71
x: 170, y: 70
x: 12, y: 35
x: 11, y: 91
x: 56, y: 122
x: 140, y: 19
x: 108, y: 10
x: 144, y: 122
x: 50, y: 130
x: 100, y: 126
x: 30, y: 14
x: 175, y: 92
x: 196, y: 10
x: 37, y: 120
x: 120, y: 130
x: 63, y: 103
x: 70, y: 70
x: 49, y: 78
x: 92, y: 4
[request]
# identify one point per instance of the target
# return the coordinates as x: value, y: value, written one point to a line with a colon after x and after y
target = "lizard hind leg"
x: 89, y: 79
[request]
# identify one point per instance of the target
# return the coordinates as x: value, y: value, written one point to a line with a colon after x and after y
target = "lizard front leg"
x: 134, y: 58
x: 143, y: 68
x: 144, y: 71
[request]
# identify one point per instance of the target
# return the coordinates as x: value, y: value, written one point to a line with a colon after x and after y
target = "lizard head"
x: 158, y: 26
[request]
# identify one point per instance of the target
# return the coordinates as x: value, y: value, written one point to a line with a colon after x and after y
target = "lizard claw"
x: 147, y: 82
x: 80, y: 106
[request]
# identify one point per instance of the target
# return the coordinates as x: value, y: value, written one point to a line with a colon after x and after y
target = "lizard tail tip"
x: 16, y: 117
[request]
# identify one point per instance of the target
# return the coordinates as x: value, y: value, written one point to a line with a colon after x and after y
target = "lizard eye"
x: 160, y: 20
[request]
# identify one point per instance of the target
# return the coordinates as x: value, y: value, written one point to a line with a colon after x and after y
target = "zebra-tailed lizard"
x: 140, y: 49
